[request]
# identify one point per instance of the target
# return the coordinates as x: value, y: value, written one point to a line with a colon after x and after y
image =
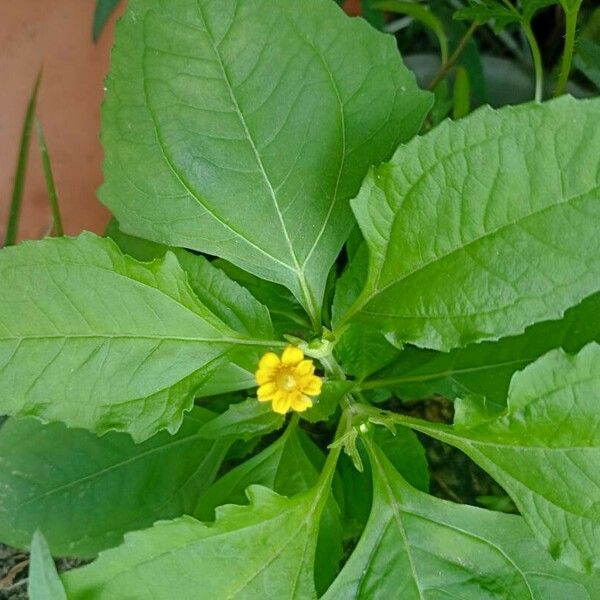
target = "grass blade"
x: 17, y: 194
x: 102, y: 13
x: 49, y: 176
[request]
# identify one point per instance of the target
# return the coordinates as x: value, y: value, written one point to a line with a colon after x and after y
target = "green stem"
x: 326, y: 476
x: 332, y: 368
x: 565, y: 66
x: 50, y: 185
x: 18, y: 186
x: 455, y: 56
x: 537, y: 61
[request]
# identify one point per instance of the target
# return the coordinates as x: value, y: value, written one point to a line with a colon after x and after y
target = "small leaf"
x: 262, y: 550
x: 84, y: 492
x: 224, y: 121
x: 544, y: 450
x: 456, y: 253
x: 244, y: 420
x: 43, y: 580
x: 327, y: 402
x: 97, y: 340
x: 416, y: 546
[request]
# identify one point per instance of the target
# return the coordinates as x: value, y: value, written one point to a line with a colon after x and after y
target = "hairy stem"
x: 567, y: 57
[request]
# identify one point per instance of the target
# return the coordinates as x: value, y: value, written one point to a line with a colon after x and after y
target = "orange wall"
x: 55, y: 34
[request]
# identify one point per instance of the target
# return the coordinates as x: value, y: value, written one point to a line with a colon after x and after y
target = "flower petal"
x: 312, y: 386
x: 270, y: 360
x: 266, y: 391
x: 281, y: 403
x: 300, y: 402
x: 305, y: 367
x: 291, y: 356
x: 265, y: 375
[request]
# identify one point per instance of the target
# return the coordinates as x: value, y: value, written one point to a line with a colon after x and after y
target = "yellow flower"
x: 287, y: 381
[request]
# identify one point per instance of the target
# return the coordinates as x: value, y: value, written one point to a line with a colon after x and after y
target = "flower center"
x: 286, y: 380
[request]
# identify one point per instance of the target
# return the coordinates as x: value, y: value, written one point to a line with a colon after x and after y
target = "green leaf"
x: 104, y: 8
x: 287, y: 315
x: 544, y: 450
x: 289, y: 466
x: 327, y: 402
x: 486, y: 368
x: 43, y: 580
x: 244, y: 420
x: 232, y: 303
x: 484, y: 11
x: 406, y: 454
x: 500, y: 13
x: 225, y: 120
x: 456, y: 253
x: 264, y: 550
x: 587, y: 60
x: 417, y: 546
x: 97, y: 340
x: 84, y: 492
x: 360, y: 351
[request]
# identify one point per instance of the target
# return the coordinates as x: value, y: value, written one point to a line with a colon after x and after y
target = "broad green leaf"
x: 97, y: 340
x: 486, y: 368
x: 84, y: 492
x: 416, y: 546
x: 231, y: 302
x: 237, y: 307
x: 544, y: 450
x: 264, y: 550
x: 484, y: 226
x: 360, y: 350
x: 242, y: 128
x: 406, y: 454
x: 43, y: 580
x: 287, y: 315
x: 244, y: 420
x: 289, y: 466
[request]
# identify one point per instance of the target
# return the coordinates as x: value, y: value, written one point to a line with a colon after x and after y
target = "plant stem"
x: 537, y: 61
x: 17, y: 194
x: 50, y: 186
x: 455, y: 56
x: 567, y: 57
